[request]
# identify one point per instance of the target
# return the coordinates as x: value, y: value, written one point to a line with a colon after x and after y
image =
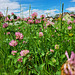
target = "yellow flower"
x: 62, y: 23
x: 70, y: 34
x: 59, y: 18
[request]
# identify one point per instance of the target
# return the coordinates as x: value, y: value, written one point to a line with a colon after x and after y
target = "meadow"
x: 32, y: 46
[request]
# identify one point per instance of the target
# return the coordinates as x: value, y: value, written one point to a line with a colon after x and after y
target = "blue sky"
x: 47, y: 4
x: 39, y: 6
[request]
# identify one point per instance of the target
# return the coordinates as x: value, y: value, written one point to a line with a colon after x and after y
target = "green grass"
x: 41, y: 63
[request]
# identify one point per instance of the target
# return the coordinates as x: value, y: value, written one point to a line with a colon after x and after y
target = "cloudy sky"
x: 40, y: 6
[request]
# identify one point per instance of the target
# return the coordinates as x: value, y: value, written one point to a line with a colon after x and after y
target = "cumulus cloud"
x: 71, y: 9
x: 40, y: 12
x: 12, y: 6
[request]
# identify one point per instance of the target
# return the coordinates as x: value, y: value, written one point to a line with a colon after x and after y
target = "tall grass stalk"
x: 29, y: 9
x: 7, y: 12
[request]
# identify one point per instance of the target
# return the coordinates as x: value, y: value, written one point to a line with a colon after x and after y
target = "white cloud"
x: 40, y: 12
x: 71, y: 9
x: 73, y: 1
x: 7, y: 3
x: 12, y: 6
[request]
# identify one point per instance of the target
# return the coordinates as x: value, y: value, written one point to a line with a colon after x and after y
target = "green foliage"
x: 40, y: 60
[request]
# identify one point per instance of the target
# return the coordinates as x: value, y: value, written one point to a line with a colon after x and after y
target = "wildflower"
x: 45, y: 27
x: 70, y: 64
x: 72, y: 58
x: 49, y: 23
x: 10, y: 19
x: 62, y: 23
x: 59, y: 18
x: 34, y: 15
x: 37, y: 21
x: 51, y: 50
x: 24, y: 41
x: 1, y: 14
x: 70, y: 34
x: 8, y: 33
x: 18, y: 18
x: 28, y: 17
x: 56, y: 46
x: 13, y: 52
x: 40, y: 34
x: 15, y: 19
x: 25, y: 19
x: 30, y: 21
x: 5, y: 25
x: 13, y: 43
x: 67, y: 55
x: 69, y: 22
x: 20, y: 59
x: 6, y: 19
x: 74, y: 21
x: 19, y: 35
x: 63, y: 19
x: 12, y: 13
x: 24, y: 52
x: 42, y: 16
x: 56, y: 27
x: 40, y: 29
x: 69, y: 27
x: 18, y: 27
x: 55, y: 31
